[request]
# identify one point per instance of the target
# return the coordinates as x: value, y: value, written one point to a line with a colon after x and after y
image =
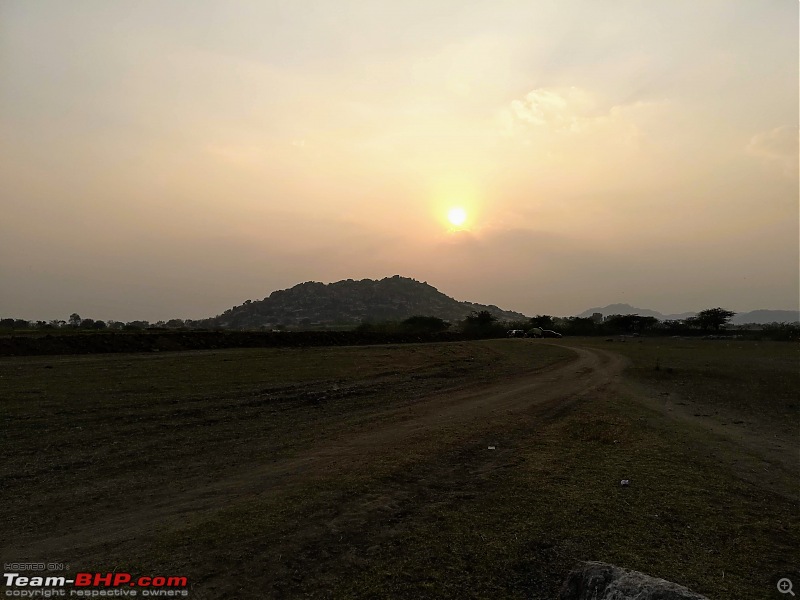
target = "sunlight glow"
x: 457, y: 216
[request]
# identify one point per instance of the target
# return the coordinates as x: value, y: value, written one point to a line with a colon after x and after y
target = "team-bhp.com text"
x: 94, y: 585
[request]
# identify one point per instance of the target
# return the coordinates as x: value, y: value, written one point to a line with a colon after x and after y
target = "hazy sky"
x: 172, y: 158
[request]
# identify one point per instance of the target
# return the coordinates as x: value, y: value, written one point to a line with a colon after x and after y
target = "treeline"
x: 76, y: 323
x: 478, y: 324
x: 713, y: 322
x: 482, y: 324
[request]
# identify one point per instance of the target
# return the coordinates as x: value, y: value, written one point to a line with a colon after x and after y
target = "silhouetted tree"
x: 75, y: 320
x: 422, y: 324
x: 577, y: 326
x: 713, y: 318
x: 480, y: 319
x: 629, y: 323
x: 543, y: 321
x: 482, y: 324
x: 672, y: 326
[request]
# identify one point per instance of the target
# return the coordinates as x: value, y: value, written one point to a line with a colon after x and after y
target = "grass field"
x: 365, y: 472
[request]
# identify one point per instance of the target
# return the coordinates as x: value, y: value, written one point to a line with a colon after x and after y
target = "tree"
x: 422, y: 324
x: 482, y: 324
x: 75, y: 320
x: 480, y: 319
x: 578, y: 326
x: 673, y: 326
x: 629, y: 323
x: 714, y: 318
x: 543, y: 321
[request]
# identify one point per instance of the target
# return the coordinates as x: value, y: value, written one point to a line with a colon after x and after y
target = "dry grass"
x: 446, y: 518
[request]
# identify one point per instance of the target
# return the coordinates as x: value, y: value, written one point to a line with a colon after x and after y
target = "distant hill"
x: 767, y: 316
x: 754, y: 316
x: 627, y: 309
x: 351, y: 302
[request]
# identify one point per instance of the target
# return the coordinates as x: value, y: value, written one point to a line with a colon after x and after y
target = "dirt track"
x: 471, y: 411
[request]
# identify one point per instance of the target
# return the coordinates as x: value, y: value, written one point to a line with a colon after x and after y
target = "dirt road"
x: 468, y: 412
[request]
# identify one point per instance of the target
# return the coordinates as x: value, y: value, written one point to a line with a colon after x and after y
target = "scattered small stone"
x: 625, y: 482
x: 491, y: 448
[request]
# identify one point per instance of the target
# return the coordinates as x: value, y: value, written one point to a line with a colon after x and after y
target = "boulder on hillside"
x: 601, y: 581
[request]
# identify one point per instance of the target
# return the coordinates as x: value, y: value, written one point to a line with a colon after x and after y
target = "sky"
x: 173, y: 158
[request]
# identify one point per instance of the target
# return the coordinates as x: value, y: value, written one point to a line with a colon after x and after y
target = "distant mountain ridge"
x: 767, y: 316
x: 753, y: 316
x: 627, y: 309
x: 351, y: 302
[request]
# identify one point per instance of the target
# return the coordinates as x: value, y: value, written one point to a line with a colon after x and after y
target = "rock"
x: 601, y: 581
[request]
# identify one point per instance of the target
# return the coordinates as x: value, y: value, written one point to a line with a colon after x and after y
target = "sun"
x: 457, y: 216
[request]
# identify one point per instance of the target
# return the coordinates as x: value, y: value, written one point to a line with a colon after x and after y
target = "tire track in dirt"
x: 545, y: 394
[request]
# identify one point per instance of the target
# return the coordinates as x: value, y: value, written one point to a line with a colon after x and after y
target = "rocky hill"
x: 352, y: 302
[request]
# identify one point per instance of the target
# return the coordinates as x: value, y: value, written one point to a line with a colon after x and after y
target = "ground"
x: 452, y: 470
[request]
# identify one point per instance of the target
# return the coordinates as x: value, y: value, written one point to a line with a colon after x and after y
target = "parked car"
x: 550, y: 333
x: 516, y: 333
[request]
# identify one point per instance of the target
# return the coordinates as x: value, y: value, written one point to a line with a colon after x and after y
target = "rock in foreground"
x: 601, y: 581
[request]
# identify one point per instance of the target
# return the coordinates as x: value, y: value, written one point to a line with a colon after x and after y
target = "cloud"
x: 559, y: 109
x: 777, y: 147
x: 569, y: 110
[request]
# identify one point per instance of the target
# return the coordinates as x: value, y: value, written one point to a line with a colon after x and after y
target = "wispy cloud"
x: 558, y: 109
x: 568, y: 111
